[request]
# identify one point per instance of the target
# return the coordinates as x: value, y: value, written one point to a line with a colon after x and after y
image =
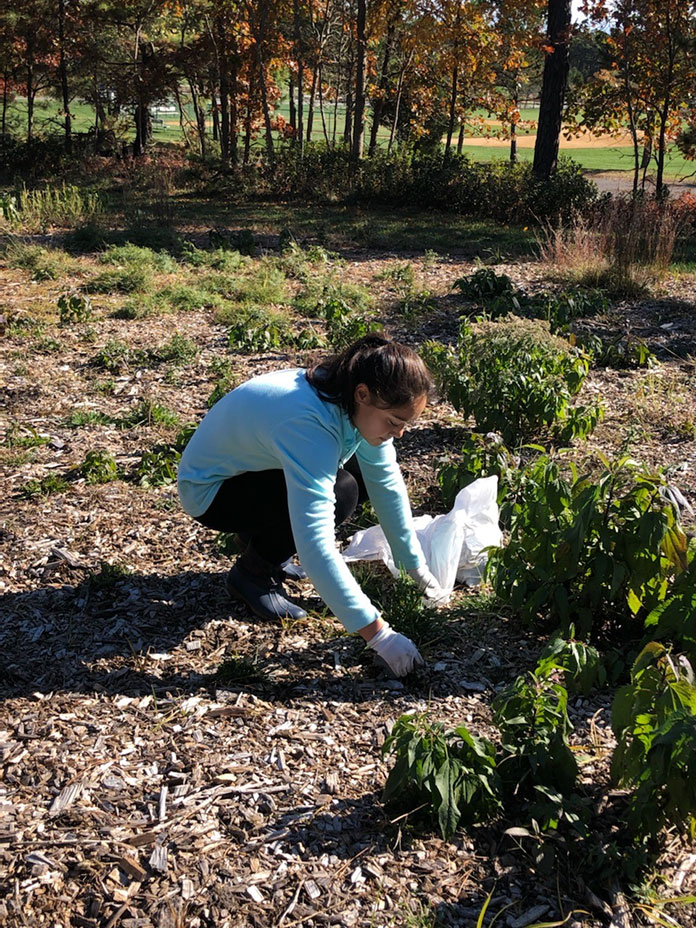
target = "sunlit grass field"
x: 603, y: 155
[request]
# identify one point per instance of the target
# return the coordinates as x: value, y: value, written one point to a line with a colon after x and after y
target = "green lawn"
x: 166, y: 128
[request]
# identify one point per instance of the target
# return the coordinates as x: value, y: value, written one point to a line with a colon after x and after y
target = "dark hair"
x: 394, y: 374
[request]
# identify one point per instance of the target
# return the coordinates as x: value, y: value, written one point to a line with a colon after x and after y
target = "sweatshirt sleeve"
x: 388, y: 494
x: 310, y: 469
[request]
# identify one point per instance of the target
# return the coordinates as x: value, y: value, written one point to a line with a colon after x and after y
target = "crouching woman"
x: 285, y: 458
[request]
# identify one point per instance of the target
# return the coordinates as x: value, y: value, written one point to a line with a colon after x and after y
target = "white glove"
x: 397, y: 651
x: 432, y: 590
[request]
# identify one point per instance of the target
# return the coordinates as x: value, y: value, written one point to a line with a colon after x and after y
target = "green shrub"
x: 579, y: 663
x: 319, y: 297
x: 343, y: 326
x: 450, y: 774
x: 590, y: 553
x: 622, y: 353
x: 654, y: 722
x: 484, y: 284
x: 531, y: 714
x: 514, y: 378
x: 74, y: 308
x: 480, y: 456
x: 99, y: 467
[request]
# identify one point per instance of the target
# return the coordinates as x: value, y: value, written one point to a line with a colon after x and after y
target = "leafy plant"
x: 343, y: 326
x: 158, y: 467
x: 673, y: 619
x: 532, y: 716
x: 621, y: 353
x: 45, y: 486
x: 99, y: 467
x: 148, y: 412
x: 449, y: 774
x: 483, y: 284
x: 74, y: 307
x: 589, y: 553
x: 579, y: 663
x: 514, y: 378
x: 107, y: 577
x: 654, y: 721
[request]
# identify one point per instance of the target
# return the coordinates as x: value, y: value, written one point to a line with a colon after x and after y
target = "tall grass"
x: 66, y: 206
x: 622, y: 244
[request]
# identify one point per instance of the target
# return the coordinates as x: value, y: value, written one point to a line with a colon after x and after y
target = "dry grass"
x: 623, y: 245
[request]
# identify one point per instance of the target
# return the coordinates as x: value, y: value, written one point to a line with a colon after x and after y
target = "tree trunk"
x: 513, y: 128
x: 291, y: 102
x: 182, y: 117
x: 359, y: 115
x: 452, y: 109
x: 198, y: 113
x: 460, y: 140
x: 553, y: 89
x: 224, y: 105
x: 30, y: 100
x: 321, y: 111
x: 234, y: 110
x: 264, y: 103
x: 5, y: 78
x: 310, y: 111
x: 378, y: 105
x: 64, y: 75
x: 300, y: 75
x: 397, y: 107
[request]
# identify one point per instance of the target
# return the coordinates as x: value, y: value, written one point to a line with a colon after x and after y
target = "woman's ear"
x: 362, y: 395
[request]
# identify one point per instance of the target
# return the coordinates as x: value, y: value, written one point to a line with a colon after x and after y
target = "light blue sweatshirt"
x: 278, y: 421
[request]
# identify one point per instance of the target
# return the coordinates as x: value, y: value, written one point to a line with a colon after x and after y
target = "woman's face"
x: 378, y: 423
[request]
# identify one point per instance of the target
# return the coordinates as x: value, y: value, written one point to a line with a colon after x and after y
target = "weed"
x: 99, y: 467
x: 480, y: 456
x: 46, y: 486
x: 131, y: 278
x: 483, y: 284
x: 225, y: 380
x: 401, y: 274
x: 313, y: 300
x: 24, y: 437
x: 258, y: 329
x: 108, y: 577
x: 157, y: 468
x: 138, y: 256
x: 65, y: 206
x: 401, y: 603
x: 42, y: 263
x: 218, y: 259
x: 74, y: 308
x: 187, y: 298
x: 237, y: 669
x: 117, y: 356
x: 78, y: 418
x: 177, y: 350
x: 148, y: 412
x: 241, y: 240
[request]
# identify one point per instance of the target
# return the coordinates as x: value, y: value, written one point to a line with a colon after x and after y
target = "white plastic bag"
x: 452, y: 544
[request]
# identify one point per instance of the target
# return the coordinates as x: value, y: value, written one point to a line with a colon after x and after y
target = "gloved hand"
x: 397, y: 651
x: 432, y: 590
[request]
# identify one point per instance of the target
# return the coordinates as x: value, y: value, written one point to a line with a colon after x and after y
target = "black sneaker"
x: 264, y: 595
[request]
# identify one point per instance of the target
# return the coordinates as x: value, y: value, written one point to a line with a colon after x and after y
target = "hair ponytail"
x: 394, y: 374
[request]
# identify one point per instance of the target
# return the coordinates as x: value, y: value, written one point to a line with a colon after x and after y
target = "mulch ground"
x: 136, y: 790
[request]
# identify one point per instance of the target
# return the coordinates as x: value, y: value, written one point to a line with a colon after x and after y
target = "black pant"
x: 256, y: 504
